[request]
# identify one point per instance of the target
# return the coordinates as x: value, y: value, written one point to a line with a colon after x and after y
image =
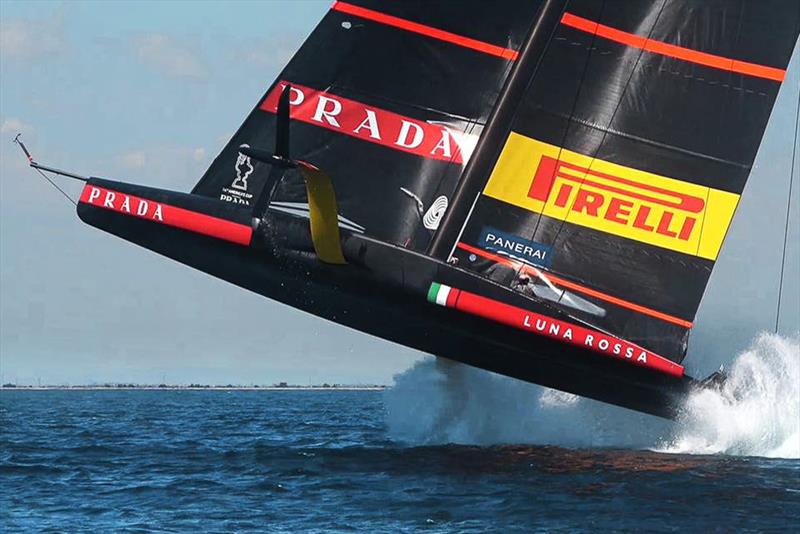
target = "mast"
x: 498, y: 127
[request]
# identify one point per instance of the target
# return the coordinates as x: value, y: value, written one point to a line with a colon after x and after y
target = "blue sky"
x: 144, y: 74
x: 149, y: 92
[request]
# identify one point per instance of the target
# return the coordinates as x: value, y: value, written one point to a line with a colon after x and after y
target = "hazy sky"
x: 149, y: 92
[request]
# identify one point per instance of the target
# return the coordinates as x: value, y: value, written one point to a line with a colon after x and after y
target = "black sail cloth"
x: 627, y: 157
x: 394, y: 98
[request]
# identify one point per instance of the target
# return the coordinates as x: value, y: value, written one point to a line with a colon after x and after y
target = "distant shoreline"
x: 195, y: 388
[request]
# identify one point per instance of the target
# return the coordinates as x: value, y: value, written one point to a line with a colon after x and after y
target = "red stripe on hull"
x: 161, y: 213
x: 452, y: 297
x: 675, y: 51
x: 562, y: 331
x: 428, y: 31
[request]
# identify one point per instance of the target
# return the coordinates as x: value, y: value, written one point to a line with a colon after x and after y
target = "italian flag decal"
x: 536, y: 323
x: 440, y: 293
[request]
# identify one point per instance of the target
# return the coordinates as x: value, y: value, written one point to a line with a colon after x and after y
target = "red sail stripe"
x: 162, y: 213
x: 582, y: 289
x: 580, y: 336
x: 670, y: 50
x: 429, y: 31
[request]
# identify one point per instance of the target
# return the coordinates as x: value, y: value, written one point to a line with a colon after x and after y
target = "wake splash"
x: 756, y: 412
x: 438, y: 401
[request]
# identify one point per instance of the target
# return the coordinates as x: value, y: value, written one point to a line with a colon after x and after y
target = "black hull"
x: 380, y: 294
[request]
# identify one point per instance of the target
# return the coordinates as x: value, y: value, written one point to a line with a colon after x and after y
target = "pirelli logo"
x: 612, y: 198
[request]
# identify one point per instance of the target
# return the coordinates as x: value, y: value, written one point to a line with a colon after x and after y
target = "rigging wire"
x: 35, y: 166
x: 56, y: 186
x: 788, y: 213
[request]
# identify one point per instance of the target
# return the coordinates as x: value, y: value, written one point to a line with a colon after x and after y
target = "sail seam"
x: 650, y: 142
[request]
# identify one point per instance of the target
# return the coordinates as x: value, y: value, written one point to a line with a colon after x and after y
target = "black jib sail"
x: 535, y: 188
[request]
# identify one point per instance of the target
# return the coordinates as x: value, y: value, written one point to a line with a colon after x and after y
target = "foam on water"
x: 756, y: 412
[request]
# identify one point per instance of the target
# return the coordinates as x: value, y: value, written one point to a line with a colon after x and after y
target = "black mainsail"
x: 626, y: 178
x: 537, y: 188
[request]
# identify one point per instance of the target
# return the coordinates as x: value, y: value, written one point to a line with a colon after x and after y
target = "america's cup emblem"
x: 244, y: 168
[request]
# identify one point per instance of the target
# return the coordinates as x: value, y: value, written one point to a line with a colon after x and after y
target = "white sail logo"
x: 367, y: 122
x: 237, y: 192
x: 435, y: 212
x: 244, y: 168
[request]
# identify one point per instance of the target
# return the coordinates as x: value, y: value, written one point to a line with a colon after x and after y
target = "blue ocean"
x: 447, y: 449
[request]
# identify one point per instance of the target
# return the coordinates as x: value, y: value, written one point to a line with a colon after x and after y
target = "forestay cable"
x: 40, y: 169
x: 788, y: 212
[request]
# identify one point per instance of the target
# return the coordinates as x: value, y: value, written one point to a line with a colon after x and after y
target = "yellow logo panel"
x: 612, y: 198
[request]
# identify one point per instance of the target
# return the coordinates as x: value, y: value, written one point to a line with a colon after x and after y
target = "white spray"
x: 757, y: 412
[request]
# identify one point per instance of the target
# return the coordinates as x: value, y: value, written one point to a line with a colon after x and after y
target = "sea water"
x: 448, y: 449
